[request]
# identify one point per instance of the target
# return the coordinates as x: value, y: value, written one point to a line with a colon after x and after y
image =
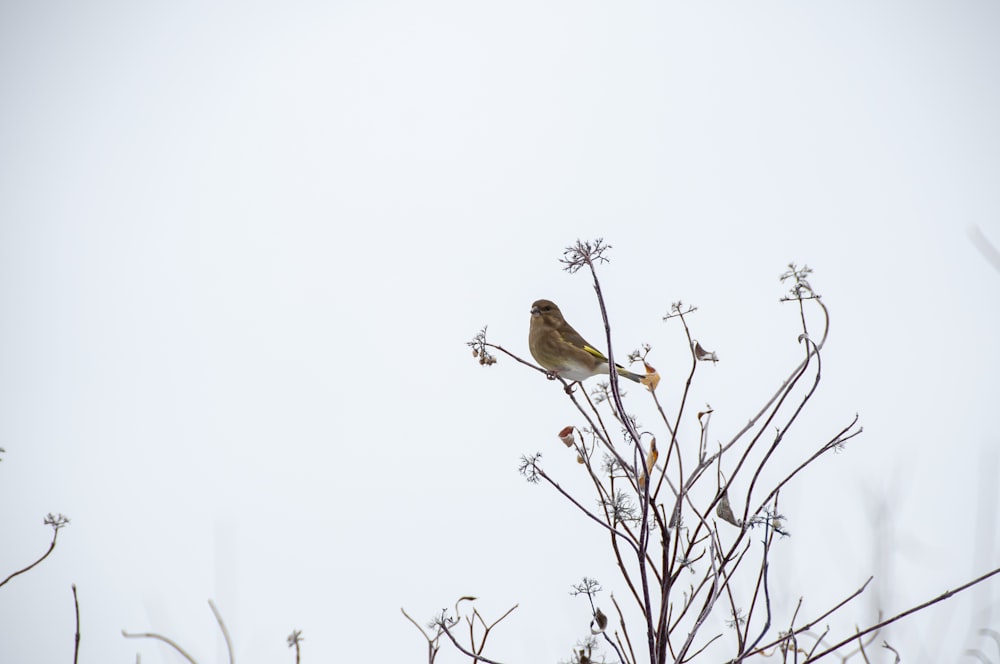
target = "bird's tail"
x: 625, y: 373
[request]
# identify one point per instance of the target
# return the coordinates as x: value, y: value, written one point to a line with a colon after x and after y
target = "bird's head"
x: 545, y: 309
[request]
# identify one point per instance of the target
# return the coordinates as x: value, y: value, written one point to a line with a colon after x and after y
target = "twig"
x: 518, y: 359
x: 76, y: 642
x: 587, y: 254
x: 432, y: 644
x: 295, y: 638
x: 151, y: 635
x: 486, y: 628
x: 793, y: 632
x: 474, y: 656
x: 706, y: 609
x: 57, y: 522
x: 765, y: 568
x: 592, y: 516
x: 621, y: 621
x: 225, y: 632
x: 786, y: 385
x: 943, y: 596
x: 699, y: 650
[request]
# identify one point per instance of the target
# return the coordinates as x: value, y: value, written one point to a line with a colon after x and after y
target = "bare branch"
x: 151, y: 635
x: 295, y: 639
x: 57, y: 521
x: 943, y: 596
x: 76, y: 640
x: 432, y: 643
x: 225, y: 632
x: 475, y: 657
x: 809, y: 625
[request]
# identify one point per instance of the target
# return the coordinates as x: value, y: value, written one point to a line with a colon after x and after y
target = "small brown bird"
x: 560, y: 349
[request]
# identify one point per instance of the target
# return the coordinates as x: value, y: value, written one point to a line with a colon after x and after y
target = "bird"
x: 561, y: 350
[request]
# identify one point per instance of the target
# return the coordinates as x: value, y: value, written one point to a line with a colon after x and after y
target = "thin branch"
x: 415, y: 623
x: 767, y: 592
x: 621, y: 621
x: 943, y: 596
x: 295, y: 640
x: 225, y: 632
x: 151, y: 635
x: 644, y: 489
x: 885, y: 644
x: 432, y: 644
x: 497, y: 621
x: 475, y: 657
x: 592, y: 516
x: 786, y: 385
x: 816, y: 645
x: 784, y: 429
x: 699, y: 650
x: 76, y: 641
x: 835, y: 442
x: 710, y: 599
x: 518, y: 359
x: 57, y: 522
x: 793, y: 632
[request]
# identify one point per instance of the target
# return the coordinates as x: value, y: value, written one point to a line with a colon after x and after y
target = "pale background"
x: 242, y: 246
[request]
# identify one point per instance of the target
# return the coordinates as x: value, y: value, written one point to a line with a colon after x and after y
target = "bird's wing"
x: 573, y: 338
x: 596, y: 353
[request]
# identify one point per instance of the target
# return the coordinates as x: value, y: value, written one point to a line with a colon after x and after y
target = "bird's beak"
x: 535, y: 311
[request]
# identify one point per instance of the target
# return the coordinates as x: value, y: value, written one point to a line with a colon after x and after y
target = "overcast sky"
x: 243, y: 244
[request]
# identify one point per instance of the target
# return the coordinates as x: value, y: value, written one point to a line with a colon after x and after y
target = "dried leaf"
x: 650, y: 462
x: 599, y: 623
x: 567, y: 437
x: 651, y: 379
x: 725, y: 512
x: 675, y: 518
x: 651, y: 458
x: 702, y: 354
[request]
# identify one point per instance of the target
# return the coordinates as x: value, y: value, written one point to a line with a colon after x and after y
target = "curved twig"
x: 172, y: 644
x: 225, y: 632
x: 943, y: 596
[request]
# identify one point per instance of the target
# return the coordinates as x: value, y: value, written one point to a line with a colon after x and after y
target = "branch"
x: 295, y: 639
x: 585, y: 253
x: 794, y: 632
x: 225, y: 632
x: 595, y: 518
x: 432, y: 646
x: 56, y: 521
x: 76, y: 643
x: 786, y: 385
x: 151, y: 635
x: 474, y: 656
x: 943, y: 596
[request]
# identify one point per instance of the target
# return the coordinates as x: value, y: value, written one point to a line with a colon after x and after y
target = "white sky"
x: 242, y: 246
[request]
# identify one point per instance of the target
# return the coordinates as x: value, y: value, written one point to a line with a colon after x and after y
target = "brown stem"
x: 76, y: 642
x: 151, y: 635
x: 940, y: 598
x: 45, y: 555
